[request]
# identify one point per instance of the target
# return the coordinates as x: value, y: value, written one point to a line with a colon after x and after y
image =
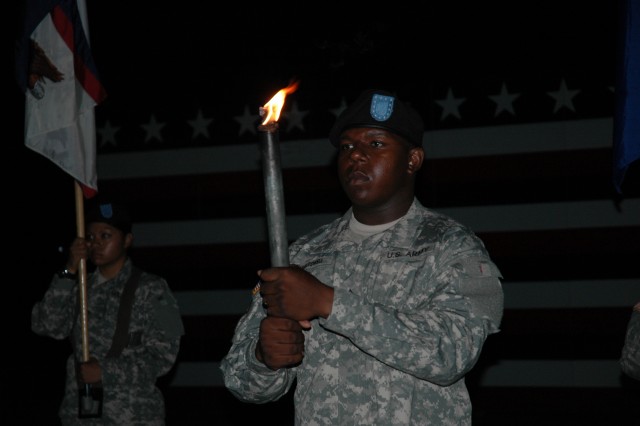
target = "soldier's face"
x: 107, y: 243
x: 375, y: 167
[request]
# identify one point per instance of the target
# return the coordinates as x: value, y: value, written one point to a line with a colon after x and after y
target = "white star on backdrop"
x: 108, y: 134
x: 153, y: 129
x: 504, y: 100
x: 337, y: 111
x: 450, y: 105
x: 295, y: 117
x: 563, y: 97
x: 200, y: 125
x: 247, y: 121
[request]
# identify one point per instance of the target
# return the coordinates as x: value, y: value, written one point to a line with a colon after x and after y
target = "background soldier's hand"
x: 78, y: 249
x: 90, y: 371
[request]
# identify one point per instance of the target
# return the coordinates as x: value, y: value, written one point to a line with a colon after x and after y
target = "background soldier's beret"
x: 105, y: 211
x: 380, y: 109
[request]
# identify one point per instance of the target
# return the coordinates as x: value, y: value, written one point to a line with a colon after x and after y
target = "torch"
x: 272, y: 172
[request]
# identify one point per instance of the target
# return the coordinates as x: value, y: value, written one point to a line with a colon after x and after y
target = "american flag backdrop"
x: 518, y: 104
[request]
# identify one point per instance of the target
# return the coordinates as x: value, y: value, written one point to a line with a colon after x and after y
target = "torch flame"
x: 273, y: 108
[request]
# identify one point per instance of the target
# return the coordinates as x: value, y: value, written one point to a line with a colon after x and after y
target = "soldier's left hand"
x: 291, y: 292
x: 90, y: 371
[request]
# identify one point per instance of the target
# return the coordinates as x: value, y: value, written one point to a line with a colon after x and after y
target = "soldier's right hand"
x: 281, y: 343
x: 79, y: 249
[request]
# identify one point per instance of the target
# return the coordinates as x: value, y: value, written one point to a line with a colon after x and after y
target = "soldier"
x: 383, y: 311
x: 127, y: 356
x: 630, y: 357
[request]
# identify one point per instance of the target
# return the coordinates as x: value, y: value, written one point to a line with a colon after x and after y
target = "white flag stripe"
x: 521, y: 217
x: 491, y: 140
x: 219, y: 231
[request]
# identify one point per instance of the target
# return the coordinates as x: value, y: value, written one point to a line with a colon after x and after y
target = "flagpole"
x: 82, y: 273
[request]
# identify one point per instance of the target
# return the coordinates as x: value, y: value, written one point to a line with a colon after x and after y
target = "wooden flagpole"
x: 82, y: 273
x: 90, y: 402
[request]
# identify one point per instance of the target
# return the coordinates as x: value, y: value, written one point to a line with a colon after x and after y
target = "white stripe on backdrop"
x: 474, y: 142
x: 522, y: 217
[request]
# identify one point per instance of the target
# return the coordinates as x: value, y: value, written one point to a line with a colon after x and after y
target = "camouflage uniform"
x: 412, y: 308
x: 630, y: 358
x: 129, y: 381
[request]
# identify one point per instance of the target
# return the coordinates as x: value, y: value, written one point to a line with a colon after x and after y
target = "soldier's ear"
x: 416, y: 157
x: 128, y: 240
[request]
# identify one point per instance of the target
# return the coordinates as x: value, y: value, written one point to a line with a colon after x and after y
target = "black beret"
x: 110, y: 213
x: 380, y: 109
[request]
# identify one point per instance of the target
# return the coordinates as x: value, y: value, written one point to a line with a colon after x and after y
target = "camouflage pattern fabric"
x: 630, y: 358
x: 412, y: 309
x: 130, y: 394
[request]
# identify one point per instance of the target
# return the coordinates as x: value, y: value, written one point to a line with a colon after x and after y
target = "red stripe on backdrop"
x: 561, y: 333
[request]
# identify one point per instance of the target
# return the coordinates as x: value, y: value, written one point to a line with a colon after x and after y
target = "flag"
x: 626, y: 133
x: 55, y: 70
